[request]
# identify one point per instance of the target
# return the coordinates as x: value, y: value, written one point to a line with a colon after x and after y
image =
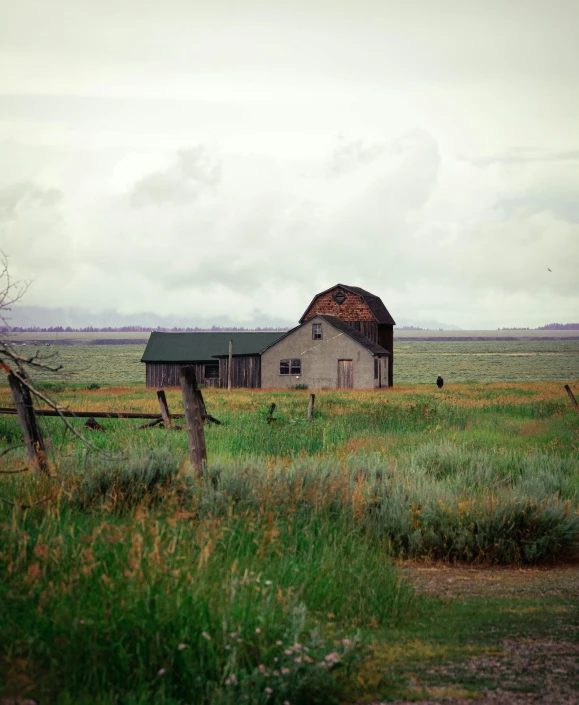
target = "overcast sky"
x: 197, y: 158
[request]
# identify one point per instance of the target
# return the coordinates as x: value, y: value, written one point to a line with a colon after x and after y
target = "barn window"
x: 290, y: 367
x: 339, y: 297
x: 316, y: 331
x: 211, y: 371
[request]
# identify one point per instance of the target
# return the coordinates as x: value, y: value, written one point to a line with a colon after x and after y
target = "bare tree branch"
x: 24, y: 506
x: 11, y: 361
x: 9, y: 450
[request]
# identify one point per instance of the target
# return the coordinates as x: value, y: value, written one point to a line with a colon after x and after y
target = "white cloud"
x: 233, y: 158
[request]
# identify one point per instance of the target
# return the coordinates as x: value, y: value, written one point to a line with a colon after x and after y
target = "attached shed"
x: 208, y: 352
x: 325, y: 353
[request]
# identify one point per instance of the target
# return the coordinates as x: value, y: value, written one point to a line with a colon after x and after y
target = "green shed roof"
x: 203, y: 346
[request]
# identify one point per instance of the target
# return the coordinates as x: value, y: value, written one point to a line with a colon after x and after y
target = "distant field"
x: 415, y: 362
x: 451, y: 335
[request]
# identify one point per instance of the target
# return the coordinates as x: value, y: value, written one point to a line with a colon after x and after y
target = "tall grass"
x: 136, y: 582
x: 187, y: 607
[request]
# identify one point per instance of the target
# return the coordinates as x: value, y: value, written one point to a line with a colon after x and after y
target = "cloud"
x: 180, y: 184
x: 208, y: 234
x: 527, y: 155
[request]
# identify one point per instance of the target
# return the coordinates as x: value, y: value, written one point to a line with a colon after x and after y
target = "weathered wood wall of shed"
x: 161, y: 375
x: 368, y: 328
x: 386, y: 340
x: 246, y: 371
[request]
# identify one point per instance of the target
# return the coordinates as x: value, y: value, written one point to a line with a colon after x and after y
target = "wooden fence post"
x: 311, y: 407
x: 32, y: 436
x: 270, y: 412
x: 164, y: 408
x: 194, y: 419
x: 230, y: 366
x: 571, y: 396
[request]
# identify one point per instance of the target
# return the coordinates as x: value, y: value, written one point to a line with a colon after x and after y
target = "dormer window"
x: 316, y: 331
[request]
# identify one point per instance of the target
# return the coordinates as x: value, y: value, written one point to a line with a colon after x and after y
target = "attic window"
x: 339, y: 297
x: 316, y: 331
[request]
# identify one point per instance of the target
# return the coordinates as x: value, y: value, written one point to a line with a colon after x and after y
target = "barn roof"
x: 343, y: 327
x: 205, y: 346
x: 374, y: 303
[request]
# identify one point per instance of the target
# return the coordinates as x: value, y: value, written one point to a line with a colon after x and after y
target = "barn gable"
x: 350, y: 303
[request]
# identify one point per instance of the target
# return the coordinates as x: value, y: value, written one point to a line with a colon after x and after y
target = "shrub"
x: 141, y: 476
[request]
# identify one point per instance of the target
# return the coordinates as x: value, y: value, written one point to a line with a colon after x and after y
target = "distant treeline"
x: 549, y: 326
x: 129, y: 329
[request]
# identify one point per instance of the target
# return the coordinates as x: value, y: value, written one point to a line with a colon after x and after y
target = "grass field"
x: 415, y: 362
x: 286, y: 575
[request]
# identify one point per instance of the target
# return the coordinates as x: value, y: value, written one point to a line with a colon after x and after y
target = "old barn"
x: 343, y: 340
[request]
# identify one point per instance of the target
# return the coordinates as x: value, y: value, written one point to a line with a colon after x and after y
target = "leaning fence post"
x: 26, y: 416
x: 164, y: 408
x: 194, y: 419
x: 571, y: 396
x: 270, y: 412
x: 311, y: 407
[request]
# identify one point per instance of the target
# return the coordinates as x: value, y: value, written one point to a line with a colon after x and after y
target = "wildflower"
x: 276, y: 674
x: 298, y: 659
x: 231, y: 679
x: 286, y: 702
x: 276, y: 659
x: 232, y: 635
x: 332, y: 658
x: 258, y: 631
x: 268, y: 582
x: 239, y: 641
x: 288, y: 652
x: 206, y: 636
x: 261, y: 668
x: 182, y: 646
x: 279, y: 643
x: 227, y: 647
x: 285, y: 671
x: 269, y: 691
x: 346, y: 642
x: 297, y: 647
x: 81, y: 621
x: 161, y: 671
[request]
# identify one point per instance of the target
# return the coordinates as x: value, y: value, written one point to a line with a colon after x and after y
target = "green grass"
x: 415, y: 362
x: 110, y: 588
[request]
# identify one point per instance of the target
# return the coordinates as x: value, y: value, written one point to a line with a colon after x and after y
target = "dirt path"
x: 450, y: 581
x: 531, y: 669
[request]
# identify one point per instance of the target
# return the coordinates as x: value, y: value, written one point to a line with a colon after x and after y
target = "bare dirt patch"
x: 523, y: 669
x: 452, y: 581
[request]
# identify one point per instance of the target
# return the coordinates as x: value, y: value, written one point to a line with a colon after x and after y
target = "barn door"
x: 345, y: 374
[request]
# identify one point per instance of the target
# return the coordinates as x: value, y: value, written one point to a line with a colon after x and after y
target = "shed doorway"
x: 345, y: 374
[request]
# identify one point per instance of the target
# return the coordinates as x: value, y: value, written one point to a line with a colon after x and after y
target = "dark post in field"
x: 93, y: 425
x: 230, y: 366
x: 270, y: 412
x: 164, y: 408
x: 26, y: 416
x: 192, y: 404
x: 571, y: 396
x: 311, y: 407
